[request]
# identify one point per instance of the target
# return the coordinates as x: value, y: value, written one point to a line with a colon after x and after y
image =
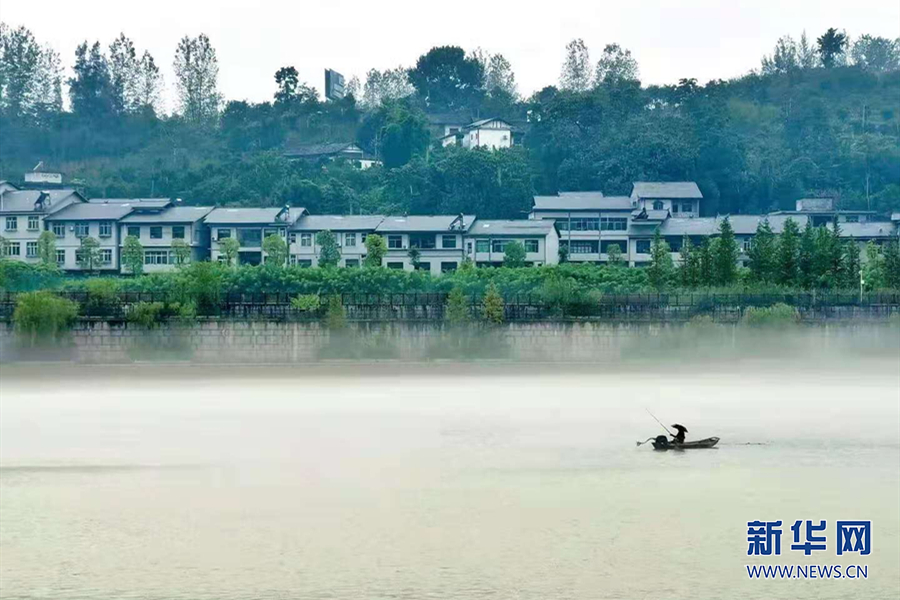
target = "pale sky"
x: 688, y: 38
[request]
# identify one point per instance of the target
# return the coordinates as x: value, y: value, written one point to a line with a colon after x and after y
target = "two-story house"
x: 22, y: 216
x: 156, y: 231
x: 249, y: 226
x: 588, y: 223
x: 680, y: 198
x: 492, y: 134
x: 437, y: 241
x: 350, y: 233
x: 486, y: 241
x: 97, y: 219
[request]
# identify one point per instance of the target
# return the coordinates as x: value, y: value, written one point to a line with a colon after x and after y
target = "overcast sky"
x: 670, y: 39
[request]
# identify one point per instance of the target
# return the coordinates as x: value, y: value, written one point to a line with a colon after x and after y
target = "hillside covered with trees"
x: 819, y: 118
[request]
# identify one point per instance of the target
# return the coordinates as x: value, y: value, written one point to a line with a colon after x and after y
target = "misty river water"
x: 443, y: 481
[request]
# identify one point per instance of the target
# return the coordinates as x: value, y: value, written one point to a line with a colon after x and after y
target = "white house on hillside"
x: 492, y: 134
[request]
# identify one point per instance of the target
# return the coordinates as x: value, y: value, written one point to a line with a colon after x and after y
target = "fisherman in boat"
x: 678, y: 438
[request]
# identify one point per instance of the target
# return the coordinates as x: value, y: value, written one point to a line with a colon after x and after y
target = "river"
x: 443, y: 481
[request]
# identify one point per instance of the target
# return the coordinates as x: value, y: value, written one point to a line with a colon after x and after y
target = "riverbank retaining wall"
x: 267, y: 342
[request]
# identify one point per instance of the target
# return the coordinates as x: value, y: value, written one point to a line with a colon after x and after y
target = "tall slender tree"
x: 576, y: 70
x: 726, y: 255
x: 787, y: 268
x: 197, y: 74
x: 763, y: 254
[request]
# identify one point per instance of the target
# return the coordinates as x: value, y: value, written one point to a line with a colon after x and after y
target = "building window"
x: 270, y: 231
x: 34, y: 223
x: 852, y: 219
x: 582, y: 247
x: 448, y: 241
x: 746, y: 245
x: 642, y: 246
x: 350, y: 240
x: 657, y: 205
x: 614, y: 224
x: 531, y: 245
x: 306, y: 240
x: 395, y: 265
x: 156, y: 233
x: 395, y: 242
x: 105, y: 228
x: 106, y: 256
x: 675, y: 207
x: 351, y: 263
x: 422, y: 242
x: 423, y: 266
x: 178, y: 232
x: 12, y: 249
x: 606, y: 244
x: 292, y: 238
x: 156, y: 257
x: 223, y: 234
x: 687, y: 207
x: 31, y: 249
x: 448, y: 266
x: 498, y: 245
x: 60, y: 257
x: 296, y: 262
x: 82, y: 230
x: 59, y: 230
x: 12, y: 223
x: 482, y: 246
x: 579, y: 224
x: 134, y: 231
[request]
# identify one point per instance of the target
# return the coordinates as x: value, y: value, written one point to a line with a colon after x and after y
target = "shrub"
x: 43, y: 315
x: 457, y: 309
x: 102, y: 298
x: 306, y: 303
x: 493, y: 308
x: 778, y: 315
x: 147, y: 314
x: 335, y: 318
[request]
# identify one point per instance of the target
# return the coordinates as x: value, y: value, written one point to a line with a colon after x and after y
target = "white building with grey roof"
x: 680, y: 198
x: 157, y: 231
x: 437, y: 241
x: 487, y: 239
x: 350, y: 232
x: 23, y: 214
x: 249, y: 226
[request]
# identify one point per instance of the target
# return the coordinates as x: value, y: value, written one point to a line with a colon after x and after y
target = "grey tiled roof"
x: 582, y: 201
x: 652, y: 215
x: 511, y: 227
x: 245, y: 216
x: 742, y: 224
x: 338, y: 223
x: 873, y: 230
x: 23, y: 200
x: 137, y: 202
x: 176, y: 214
x: 418, y: 223
x: 89, y: 211
x: 666, y: 189
x: 481, y: 122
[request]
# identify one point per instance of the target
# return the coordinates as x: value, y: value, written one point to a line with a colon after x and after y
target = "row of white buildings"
x: 585, y: 224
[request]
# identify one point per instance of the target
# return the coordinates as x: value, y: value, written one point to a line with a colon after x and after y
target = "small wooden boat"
x: 663, y: 443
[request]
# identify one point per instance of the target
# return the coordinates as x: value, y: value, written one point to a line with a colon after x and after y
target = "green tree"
x: 376, y: 249
x: 660, y: 270
x: 91, y: 90
x: 563, y: 253
x: 133, y: 254
x: 873, y: 272
x: 706, y: 254
x: 43, y: 315
x: 47, y: 248
x: 576, y: 70
x: 616, y: 65
x: 229, y: 249
x: 763, y: 254
x: 806, y: 257
x: 182, y: 252
x: 614, y: 255
x: 832, y: 45
x: 726, y: 256
x: 414, y: 256
x: 788, y: 255
x: 276, y: 250
x: 493, y: 308
x: 688, y: 264
x: 88, y: 254
x: 514, y: 254
x: 335, y: 318
x: 403, y: 135
x: 852, y: 265
x: 329, y: 251
x: 892, y: 265
x: 457, y: 308
x: 196, y: 79
x: 445, y: 77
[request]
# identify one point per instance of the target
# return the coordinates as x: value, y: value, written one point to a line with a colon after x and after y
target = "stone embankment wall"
x: 266, y: 342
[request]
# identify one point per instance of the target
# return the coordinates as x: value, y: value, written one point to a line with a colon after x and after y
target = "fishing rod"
x: 660, y: 422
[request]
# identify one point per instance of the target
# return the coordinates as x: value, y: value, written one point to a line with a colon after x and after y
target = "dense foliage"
x: 819, y: 118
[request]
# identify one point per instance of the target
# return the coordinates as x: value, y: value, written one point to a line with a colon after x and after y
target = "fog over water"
x: 440, y: 481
